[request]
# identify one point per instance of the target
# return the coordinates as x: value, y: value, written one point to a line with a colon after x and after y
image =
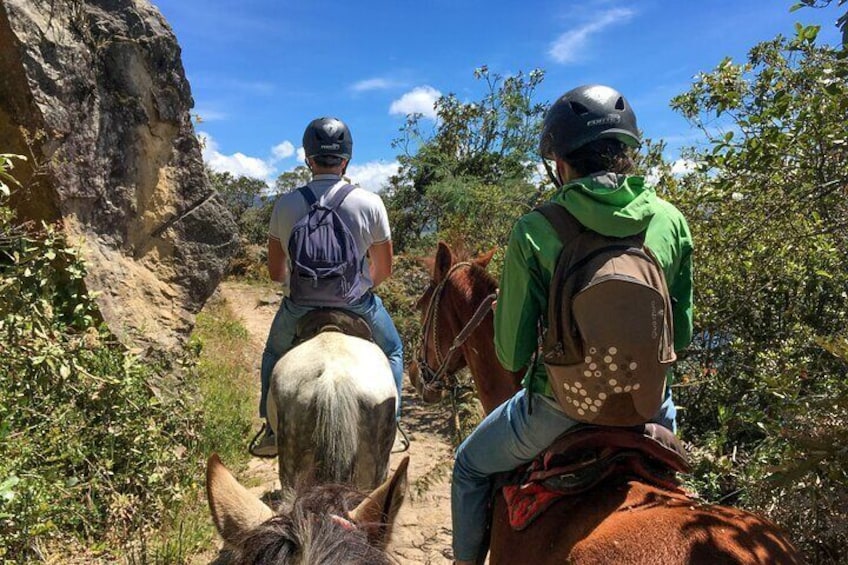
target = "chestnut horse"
x: 458, y: 291
x: 324, y: 525
x: 622, y: 520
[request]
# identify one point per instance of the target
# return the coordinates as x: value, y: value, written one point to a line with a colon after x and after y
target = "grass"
x: 227, y: 389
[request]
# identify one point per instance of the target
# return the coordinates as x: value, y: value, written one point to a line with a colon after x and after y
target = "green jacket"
x: 610, y: 204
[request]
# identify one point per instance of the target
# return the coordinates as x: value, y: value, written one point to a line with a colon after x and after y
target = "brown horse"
x: 326, y: 524
x: 457, y: 291
x: 623, y: 519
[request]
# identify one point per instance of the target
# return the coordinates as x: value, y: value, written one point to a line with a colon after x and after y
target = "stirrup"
x: 251, y: 448
x: 404, y: 441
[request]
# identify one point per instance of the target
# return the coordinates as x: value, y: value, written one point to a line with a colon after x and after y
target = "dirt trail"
x: 422, y: 530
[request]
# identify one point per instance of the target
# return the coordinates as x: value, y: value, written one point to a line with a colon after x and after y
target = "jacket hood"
x: 610, y: 204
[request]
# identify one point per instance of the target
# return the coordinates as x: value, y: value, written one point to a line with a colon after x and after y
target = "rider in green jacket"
x: 587, y: 133
x: 611, y: 204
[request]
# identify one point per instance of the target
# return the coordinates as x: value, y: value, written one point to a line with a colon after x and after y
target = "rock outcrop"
x: 95, y: 92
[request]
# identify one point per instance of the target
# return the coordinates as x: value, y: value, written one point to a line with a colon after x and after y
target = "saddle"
x: 331, y: 320
x: 586, y: 455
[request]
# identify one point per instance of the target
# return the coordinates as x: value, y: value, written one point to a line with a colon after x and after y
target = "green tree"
x: 765, y: 390
x: 245, y: 197
x: 290, y: 180
x: 239, y: 193
x: 471, y: 176
x: 841, y: 23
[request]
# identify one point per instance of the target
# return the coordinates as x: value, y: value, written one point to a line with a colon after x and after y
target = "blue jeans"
x: 505, y: 439
x: 281, y: 336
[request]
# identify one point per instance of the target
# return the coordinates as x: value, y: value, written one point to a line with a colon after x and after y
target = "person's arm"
x: 381, y: 255
x: 276, y: 260
x: 519, y: 302
x: 681, y: 303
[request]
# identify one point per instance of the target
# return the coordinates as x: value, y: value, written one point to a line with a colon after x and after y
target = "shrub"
x: 92, y: 439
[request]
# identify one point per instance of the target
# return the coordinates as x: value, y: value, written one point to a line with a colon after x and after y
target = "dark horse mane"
x: 307, y: 532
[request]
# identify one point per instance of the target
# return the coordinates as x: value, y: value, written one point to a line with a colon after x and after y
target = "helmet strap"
x: 553, y: 175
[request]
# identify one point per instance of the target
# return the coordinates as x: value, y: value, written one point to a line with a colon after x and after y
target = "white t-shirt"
x: 362, y: 211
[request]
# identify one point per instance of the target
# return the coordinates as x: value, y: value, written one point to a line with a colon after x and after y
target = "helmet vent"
x: 578, y: 108
x: 619, y: 104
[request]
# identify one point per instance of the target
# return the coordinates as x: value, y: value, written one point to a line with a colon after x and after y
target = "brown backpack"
x: 609, y: 340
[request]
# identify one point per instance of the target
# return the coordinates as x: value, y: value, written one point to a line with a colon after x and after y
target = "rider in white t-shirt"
x: 328, y: 147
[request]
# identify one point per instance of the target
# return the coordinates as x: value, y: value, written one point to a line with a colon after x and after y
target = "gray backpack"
x: 610, y: 339
x: 326, y: 268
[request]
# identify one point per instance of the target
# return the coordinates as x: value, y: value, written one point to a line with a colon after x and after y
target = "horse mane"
x: 308, y: 534
x: 478, y: 281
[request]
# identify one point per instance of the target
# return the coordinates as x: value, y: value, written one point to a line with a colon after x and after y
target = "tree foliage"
x: 291, y: 180
x: 246, y: 199
x: 841, y: 23
x: 467, y: 177
x: 765, y: 393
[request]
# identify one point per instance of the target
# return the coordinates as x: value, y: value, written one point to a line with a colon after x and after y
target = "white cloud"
x: 377, y: 83
x: 419, y: 100
x: 570, y: 45
x: 679, y: 168
x: 683, y: 166
x: 237, y: 164
x: 283, y: 150
x: 373, y: 175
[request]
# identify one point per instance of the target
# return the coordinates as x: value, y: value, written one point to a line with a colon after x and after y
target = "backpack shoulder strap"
x: 563, y: 222
x: 308, y: 195
x: 339, y: 196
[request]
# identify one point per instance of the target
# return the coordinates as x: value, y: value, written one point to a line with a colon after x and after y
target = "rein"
x: 432, y: 380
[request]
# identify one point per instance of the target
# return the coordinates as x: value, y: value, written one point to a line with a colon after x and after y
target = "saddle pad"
x: 525, y: 503
x: 583, y: 458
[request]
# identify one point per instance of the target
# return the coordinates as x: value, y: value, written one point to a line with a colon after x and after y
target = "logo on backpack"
x: 609, y: 340
x: 325, y: 260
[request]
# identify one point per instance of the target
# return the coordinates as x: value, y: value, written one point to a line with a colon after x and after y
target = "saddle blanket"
x: 526, y: 502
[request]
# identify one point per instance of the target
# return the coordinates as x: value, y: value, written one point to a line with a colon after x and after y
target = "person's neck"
x: 335, y: 172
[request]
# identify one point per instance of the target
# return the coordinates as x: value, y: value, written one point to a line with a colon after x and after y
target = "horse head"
x: 457, y: 325
x: 327, y: 524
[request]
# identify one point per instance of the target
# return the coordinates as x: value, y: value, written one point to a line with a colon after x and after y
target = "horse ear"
x: 376, y: 514
x: 444, y: 260
x: 484, y: 258
x: 235, y: 511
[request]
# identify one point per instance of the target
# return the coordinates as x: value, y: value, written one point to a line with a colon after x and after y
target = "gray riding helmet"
x: 327, y: 136
x: 584, y: 114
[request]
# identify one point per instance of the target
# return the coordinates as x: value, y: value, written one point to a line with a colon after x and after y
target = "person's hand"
x: 495, y: 301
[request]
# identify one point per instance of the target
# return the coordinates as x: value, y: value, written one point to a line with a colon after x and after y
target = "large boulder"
x: 95, y: 93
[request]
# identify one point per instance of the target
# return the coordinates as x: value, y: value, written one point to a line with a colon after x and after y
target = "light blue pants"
x: 505, y: 439
x: 281, y: 336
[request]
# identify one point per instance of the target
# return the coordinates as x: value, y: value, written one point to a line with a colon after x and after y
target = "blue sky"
x: 260, y: 70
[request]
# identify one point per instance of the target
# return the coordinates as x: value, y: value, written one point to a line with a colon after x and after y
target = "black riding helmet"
x: 585, y: 114
x: 327, y: 136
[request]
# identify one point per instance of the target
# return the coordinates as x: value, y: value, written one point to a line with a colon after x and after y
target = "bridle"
x: 436, y: 380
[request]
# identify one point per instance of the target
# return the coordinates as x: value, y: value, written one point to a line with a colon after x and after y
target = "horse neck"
x: 494, y: 383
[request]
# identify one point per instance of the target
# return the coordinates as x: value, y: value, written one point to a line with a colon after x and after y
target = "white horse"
x: 332, y: 405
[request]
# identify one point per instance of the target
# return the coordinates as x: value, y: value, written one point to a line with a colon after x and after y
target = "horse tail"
x: 336, y: 434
